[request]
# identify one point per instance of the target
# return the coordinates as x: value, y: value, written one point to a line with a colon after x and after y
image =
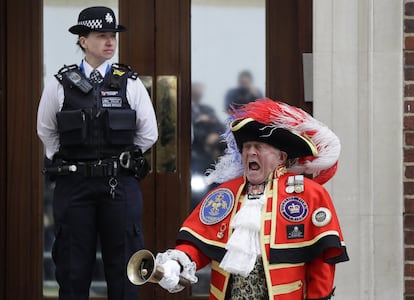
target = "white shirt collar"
x: 88, y: 68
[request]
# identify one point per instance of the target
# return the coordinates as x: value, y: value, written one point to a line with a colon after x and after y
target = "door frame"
x: 21, y: 219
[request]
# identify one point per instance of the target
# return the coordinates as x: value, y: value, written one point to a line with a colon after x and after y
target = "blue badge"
x: 216, y: 206
x: 321, y: 217
x: 294, y: 209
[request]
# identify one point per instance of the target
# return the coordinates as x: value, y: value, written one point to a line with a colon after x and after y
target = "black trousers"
x: 83, y: 209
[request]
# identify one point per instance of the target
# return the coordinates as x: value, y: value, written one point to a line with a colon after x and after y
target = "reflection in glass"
x: 147, y: 82
x: 60, y: 48
x: 227, y: 68
x: 167, y: 124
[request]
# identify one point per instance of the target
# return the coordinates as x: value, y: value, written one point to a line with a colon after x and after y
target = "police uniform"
x: 95, y: 134
x: 279, y: 239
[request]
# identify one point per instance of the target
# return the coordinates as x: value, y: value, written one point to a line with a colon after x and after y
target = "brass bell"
x: 142, y: 268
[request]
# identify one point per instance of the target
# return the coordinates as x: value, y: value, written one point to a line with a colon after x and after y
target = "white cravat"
x: 243, y: 247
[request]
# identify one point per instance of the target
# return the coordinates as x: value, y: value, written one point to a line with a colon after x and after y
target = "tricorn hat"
x: 96, y: 18
x: 313, y: 147
x: 293, y: 143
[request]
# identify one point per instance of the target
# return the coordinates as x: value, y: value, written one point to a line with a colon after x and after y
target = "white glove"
x: 171, y: 276
x: 182, y: 260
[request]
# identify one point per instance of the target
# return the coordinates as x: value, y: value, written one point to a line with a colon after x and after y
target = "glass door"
x: 228, y: 68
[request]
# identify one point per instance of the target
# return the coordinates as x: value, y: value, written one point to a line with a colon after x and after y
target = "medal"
x: 289, y: 185
x: 223, y: 228
x: 298, y: 183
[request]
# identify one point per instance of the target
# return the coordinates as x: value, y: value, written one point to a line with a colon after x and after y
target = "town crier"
x: 270, y: 230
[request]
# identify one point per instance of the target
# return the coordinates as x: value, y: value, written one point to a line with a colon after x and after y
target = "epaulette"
x: 121, y: 68
x: 75, y: 77
x: 133, y: 75
x: 63, y: 70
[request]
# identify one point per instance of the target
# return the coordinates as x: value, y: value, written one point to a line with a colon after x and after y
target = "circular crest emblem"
x: 294, y: 209
x: 321, y: 217
x: 216, y: 206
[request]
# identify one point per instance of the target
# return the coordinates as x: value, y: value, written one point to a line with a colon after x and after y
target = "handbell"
x: 142, y: 268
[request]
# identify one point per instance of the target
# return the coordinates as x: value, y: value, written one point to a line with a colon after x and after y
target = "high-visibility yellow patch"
x: 118, y: 72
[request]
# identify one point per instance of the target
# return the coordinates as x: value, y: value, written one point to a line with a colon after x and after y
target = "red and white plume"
x: 281, y: 115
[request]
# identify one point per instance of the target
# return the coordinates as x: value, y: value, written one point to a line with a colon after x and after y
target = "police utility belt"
x: 128, y: 163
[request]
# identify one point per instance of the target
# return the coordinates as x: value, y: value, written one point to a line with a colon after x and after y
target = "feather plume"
x: 281, y: 115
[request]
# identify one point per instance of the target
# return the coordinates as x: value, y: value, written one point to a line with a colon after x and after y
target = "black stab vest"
x: 97, y: 123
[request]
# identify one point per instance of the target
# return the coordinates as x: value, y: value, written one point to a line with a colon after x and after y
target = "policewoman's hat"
x: 312, y: 147
x: 96, y: 18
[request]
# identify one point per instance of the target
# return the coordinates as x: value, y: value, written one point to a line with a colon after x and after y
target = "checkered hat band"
x: 97, y: 23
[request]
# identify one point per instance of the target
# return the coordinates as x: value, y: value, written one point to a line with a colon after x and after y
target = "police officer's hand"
x: 141, y: 168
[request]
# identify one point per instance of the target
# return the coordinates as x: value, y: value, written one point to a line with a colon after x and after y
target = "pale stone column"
x: 358, y: 92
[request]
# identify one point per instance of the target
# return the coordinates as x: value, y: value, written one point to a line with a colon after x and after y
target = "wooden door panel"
x: 3, y: 148
x: 23, y: 75
x: 155, y: 45
x: 289, y: 35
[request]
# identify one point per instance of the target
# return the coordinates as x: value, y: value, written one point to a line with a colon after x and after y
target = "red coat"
x: 300, y: 236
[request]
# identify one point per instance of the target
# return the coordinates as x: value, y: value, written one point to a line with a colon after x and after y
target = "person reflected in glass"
x: 244, y: 93
x: 207, y: 144
x: 198, y: 107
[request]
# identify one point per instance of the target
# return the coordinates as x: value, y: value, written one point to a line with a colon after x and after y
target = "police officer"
x: 95, y: 121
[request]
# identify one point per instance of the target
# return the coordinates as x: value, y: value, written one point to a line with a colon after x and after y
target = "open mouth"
x: 253, y: 166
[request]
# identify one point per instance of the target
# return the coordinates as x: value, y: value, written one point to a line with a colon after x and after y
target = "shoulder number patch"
x: 216, y: 206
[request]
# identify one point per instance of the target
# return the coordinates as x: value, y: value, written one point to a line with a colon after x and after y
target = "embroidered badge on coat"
x: 321, y: 217
x: 294, y: 209
x: 216, y: 206
x: 295, y: 231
